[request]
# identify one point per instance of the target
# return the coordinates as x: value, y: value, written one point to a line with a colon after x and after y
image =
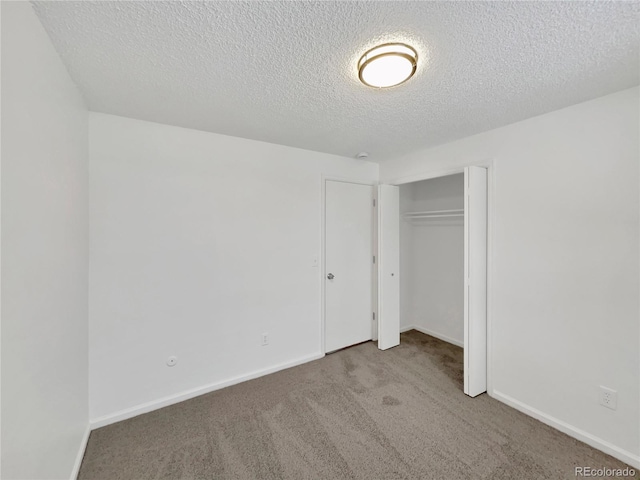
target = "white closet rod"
x: 434, y: 214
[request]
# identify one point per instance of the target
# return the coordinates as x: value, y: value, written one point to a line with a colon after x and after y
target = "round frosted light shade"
x: 387, y: 65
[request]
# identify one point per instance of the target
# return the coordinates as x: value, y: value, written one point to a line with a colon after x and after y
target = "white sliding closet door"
x: 388, y: 266
x: 475, y: 276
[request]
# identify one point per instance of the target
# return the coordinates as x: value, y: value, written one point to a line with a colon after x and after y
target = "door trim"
x: 490, y: 165
x: 322, y: 270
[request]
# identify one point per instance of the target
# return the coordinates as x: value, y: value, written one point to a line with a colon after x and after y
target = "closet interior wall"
x: 432, y: 257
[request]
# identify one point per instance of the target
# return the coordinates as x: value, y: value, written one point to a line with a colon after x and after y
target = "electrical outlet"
x: 608, y: 398
x: 265, y: 339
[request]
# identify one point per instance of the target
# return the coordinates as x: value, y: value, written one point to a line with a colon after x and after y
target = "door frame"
x: 323, y: 254
x: 490, y: 165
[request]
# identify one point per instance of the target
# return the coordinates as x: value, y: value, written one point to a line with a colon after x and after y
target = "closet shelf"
x: 433, y: 214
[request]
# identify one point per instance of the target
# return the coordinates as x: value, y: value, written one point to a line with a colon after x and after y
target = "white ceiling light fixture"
x: 387, y: 65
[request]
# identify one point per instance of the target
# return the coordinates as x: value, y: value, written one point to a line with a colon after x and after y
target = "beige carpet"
x: 356, y: 414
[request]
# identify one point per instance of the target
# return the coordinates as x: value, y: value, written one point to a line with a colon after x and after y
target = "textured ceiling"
x: 284, y: 72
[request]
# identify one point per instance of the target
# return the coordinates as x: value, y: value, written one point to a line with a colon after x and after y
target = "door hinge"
x: 374, y: 202
x: 374, y: 315
x: 374, y: 259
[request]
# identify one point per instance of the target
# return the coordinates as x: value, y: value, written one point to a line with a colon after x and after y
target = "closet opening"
x: 432, y: 269
x: 433, y: 240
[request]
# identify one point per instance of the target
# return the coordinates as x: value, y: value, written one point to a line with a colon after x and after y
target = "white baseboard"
x: 186, y: 395
x: 426, y: 331
x: 80, y: 456
x: 591, y: 440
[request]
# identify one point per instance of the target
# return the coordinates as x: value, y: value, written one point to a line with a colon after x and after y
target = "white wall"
x: 199, y: 244
x: 432, y: 256
x: 44, y: 255
x: 565, y: 263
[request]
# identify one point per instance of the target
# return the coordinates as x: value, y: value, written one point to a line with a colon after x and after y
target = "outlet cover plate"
x: 608, y: 398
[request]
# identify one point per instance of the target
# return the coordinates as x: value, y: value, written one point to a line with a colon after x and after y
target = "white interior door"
x: 348, y: 264
x: 475, y: 274
x: 389, y: 266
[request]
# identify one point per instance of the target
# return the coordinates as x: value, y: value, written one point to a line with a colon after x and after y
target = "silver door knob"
x: 331, y: 276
